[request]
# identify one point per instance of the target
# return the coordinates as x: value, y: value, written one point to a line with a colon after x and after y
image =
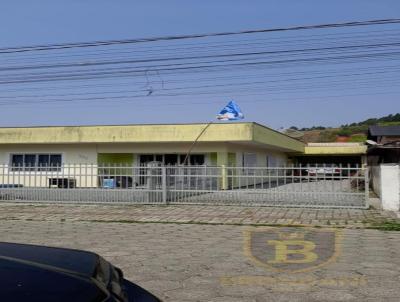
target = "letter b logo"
x: 300, y: 250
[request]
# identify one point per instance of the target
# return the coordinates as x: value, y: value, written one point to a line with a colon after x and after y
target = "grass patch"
x: 385, y: 226
x: 218, y: 223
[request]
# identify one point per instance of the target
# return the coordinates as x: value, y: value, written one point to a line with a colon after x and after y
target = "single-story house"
x: 82, y: 155
x: 231, y: 144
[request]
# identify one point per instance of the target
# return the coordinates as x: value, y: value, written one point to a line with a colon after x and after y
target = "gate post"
x: 164, y: 184
x: 224, y: 184
x: 366, y: 186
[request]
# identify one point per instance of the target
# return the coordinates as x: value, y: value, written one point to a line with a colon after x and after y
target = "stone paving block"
x: 189, y: 262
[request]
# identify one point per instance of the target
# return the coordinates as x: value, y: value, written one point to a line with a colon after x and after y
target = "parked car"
x: 323, y: 171
x: 40, y: 273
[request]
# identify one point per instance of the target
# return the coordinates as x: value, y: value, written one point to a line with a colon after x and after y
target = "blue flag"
x: 230, y: 112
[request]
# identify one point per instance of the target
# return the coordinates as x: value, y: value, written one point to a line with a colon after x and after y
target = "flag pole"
x: 195, y: 142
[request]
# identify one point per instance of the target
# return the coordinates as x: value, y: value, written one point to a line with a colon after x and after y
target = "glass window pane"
x: 44, y: 160
x: 17, y: 160
x: 55, y: 160
x: 249, y: 160
x: 197, y: 159
x: 182, y: 158
x: 30, y: 160
x: 171, y: 159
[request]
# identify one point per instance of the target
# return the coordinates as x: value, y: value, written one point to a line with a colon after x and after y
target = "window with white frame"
x: 36, y: 162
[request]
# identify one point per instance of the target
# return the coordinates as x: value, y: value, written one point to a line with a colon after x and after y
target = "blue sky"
x: 55, y: 21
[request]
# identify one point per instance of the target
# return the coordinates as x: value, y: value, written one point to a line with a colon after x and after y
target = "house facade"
x: 102, y: 156
x: 230, y: 144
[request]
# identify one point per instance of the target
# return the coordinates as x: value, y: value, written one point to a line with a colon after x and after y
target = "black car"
x: 33, y: 273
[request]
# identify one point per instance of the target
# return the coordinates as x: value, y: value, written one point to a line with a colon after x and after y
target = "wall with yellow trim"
x: 128, y: 133
x: 335, y: 150
x: 276, y: 139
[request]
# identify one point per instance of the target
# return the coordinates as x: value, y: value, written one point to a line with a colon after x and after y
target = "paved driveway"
x: 336, y: 193
x: 194, y: 262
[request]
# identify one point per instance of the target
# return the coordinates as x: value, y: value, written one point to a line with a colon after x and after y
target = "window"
x: 197, y: 159
x: 249, y: 160
x: 173, y: 159
x: 273, y: 161
x: 36, y: 162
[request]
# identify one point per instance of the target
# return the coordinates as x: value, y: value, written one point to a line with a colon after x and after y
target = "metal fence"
x: 311, y: 186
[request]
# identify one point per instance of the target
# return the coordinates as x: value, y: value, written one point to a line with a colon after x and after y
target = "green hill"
x: 354, y: 132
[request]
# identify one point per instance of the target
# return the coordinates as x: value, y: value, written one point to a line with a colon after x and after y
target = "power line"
x: 205, y: 66
x: 344, y: 78
x: 219, y: 45
x: 193, y: 36
x: 119, y: 62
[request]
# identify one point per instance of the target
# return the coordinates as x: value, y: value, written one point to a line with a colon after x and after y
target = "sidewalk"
x: 238, y: 215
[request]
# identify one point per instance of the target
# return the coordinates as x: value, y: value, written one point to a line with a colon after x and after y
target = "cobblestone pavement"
x: 194, y: 214
x: 193, y: 262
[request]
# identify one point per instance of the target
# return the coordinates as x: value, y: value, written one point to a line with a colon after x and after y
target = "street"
x: 200, y: 262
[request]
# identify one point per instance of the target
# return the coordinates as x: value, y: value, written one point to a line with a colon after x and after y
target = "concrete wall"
x: 386, y: 184
x: 390, y: 187
x: 376, y: 179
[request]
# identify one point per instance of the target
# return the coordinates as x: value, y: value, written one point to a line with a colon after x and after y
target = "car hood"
x: 32, y: 273
x: 79, y: 262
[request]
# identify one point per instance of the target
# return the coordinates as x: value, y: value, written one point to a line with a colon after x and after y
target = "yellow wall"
x: 276, y: 139
x: 128, y: 133
x: 232, y: 132
x: 335, y: 150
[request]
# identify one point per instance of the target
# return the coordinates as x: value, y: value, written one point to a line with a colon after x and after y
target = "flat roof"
x: 151, y: 133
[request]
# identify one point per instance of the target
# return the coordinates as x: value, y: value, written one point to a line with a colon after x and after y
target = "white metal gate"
x: 311, y: 186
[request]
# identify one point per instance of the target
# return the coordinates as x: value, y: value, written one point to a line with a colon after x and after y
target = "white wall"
x: 376, y: 179
x: 276, y: 158
x: 71, y: 154
x: 390, y: 187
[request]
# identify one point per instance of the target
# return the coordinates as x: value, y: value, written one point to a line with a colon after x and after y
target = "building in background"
x: 338, y: 154
x: 384, y: 144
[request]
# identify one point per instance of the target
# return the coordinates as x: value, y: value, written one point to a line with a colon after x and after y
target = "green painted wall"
x: 232, y: 159
x: 213, y: 158
x: 125, y: 160
x: 115, y: 158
